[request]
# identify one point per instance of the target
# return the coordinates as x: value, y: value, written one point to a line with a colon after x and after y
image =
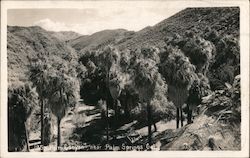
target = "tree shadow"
x: 95, y: 132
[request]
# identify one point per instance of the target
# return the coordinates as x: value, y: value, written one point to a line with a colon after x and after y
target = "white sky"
x: 91, y: 19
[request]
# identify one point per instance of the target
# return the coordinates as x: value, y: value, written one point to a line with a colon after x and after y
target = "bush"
x: 225, y: 104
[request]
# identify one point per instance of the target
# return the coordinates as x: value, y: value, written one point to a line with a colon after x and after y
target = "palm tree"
x: 150, y: 85
x: 39, y: 77
x: 179, y: 74
x: 114, y: 85
x: 63, y: 94
x: 21, y: 101
x: 201, y: 53
x: 144, y: 81
x: 199, y: 88
x: 108, y: 57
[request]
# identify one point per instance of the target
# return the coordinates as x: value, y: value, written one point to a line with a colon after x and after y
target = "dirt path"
x: 85, y: 125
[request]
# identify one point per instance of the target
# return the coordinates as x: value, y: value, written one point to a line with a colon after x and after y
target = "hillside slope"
x: 30, y: 41
x: 99, y: 39
x: 24, y: 43
x: 226, y: 23
x: 65, y: 35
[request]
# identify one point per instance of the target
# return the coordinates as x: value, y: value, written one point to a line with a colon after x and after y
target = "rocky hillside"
x: 25, y: 43
x: 200, y: 18
x: 217, y: 127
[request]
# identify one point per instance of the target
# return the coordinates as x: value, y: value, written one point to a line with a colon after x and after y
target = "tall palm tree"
x: 39, y: 77
x: 21, y: 101
x: 144, y: 82
x: 114, y: 86
x: 179, y: 74
x: 63, y: 94
x: 201, y: 52
x: 108, y: 57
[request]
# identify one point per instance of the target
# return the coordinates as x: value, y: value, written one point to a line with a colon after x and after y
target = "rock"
x: 208, y: 98
x: 211, y: 143
x: 205, y: 134
x: 185, y: 146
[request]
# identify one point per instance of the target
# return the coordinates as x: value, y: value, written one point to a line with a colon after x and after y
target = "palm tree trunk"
x: 42, y: 125
x: 107, y: 121
x: 107, y: 109
x: 58, y: 124
x: 149, y: 123
x: 181, y: 117
x: 189, y: 117
x: 58, y: 134
x: 116, y: 111
x: 126, y: 112
x: 27, y: 136
x: 177, y: 117
x: 155, y: 127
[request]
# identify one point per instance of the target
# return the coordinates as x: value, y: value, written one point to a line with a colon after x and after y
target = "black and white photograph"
x: 125, y: 77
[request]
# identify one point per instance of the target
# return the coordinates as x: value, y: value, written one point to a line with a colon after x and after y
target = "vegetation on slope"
x: 65, y: 36
x: 26, y: 43
x: 100, y: 39
x: 226, y: 23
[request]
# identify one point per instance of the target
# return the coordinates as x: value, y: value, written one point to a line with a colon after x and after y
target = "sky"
x: 91, y: 19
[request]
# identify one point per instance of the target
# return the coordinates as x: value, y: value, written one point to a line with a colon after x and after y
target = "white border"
x: 244, y: 47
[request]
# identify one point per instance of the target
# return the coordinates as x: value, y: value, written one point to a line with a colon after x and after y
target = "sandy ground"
x: 69, y: 123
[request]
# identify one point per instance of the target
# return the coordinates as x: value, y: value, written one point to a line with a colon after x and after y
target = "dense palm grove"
x: 146, y: 84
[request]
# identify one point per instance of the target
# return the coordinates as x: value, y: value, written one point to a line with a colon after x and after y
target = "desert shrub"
x: 103, y: 108
x: 125, y: 60
x: 211, y: 35
x: 88, y: 55
x: 79, y: 120
x: 204, y: 85
x: 227, y: 61
x: 225, y: 104
x: 226, y: 73
x: 150, y: 52
x: 221, y: 75
x: 81, y: 71
x: 228, y: 52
